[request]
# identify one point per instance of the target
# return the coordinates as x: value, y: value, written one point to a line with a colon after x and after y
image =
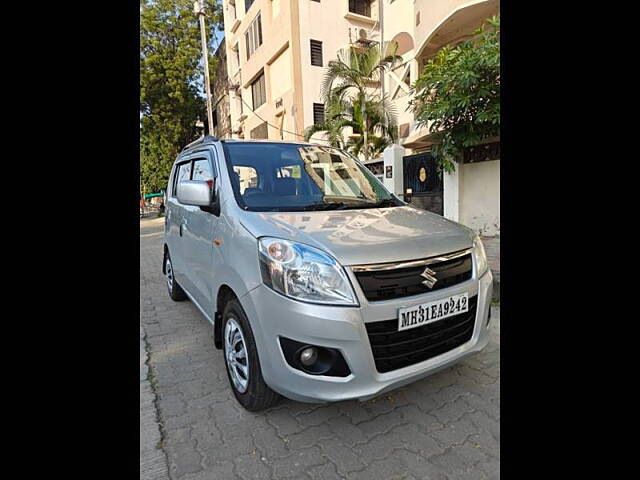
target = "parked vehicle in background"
x: 319, y: 283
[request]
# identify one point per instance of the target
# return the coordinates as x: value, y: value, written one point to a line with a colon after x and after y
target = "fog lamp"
x: 308, y: 356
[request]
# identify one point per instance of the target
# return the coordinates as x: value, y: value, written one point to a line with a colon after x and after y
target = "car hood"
x: 365, y: 236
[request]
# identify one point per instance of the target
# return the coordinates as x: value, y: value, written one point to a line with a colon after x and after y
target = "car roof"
x: 256, y: 140
x: 209, y: 139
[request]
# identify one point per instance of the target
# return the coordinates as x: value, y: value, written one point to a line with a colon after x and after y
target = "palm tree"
x: 381, y: 126
x: 337, y: 116
x: 381, y: 132
x: 354, y: 74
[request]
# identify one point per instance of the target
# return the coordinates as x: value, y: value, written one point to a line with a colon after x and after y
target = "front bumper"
x: 343, y: 328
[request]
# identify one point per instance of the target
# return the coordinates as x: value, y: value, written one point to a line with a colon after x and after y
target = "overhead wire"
x: 270, y: 124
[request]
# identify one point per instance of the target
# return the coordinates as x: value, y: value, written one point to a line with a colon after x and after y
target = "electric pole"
x: 198, y: 8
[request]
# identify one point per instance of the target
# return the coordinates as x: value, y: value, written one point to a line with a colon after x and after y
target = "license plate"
x: 425, y: 313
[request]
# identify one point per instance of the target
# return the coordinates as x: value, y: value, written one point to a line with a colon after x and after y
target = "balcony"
x: 419, y: 136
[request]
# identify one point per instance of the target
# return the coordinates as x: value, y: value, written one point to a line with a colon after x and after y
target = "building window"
x: 318, y: 113
x: 316, y: 53
x: 258, y: 91
x: 253, y: 36
x: 361, y: 7
x: 247, y: 5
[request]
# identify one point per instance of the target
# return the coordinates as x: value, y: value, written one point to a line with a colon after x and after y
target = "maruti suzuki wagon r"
x: 319, y: 283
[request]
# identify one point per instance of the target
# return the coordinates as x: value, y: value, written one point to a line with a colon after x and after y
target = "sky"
x: 218, y: 39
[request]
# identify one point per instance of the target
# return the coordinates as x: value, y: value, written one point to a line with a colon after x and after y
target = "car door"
x: 174, y: 220
x: 199, y: 227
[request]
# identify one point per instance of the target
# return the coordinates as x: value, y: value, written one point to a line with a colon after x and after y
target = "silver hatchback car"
x: 319, y: 283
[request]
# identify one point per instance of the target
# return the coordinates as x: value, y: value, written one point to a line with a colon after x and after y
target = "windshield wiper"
x: 324, y: 206
x: 387, y: 202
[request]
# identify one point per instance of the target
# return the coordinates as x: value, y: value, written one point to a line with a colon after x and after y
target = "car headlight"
x: 303, y: 273
x: 480, y: 257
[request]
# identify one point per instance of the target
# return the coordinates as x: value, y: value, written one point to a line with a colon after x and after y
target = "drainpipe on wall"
x: 381, y: 20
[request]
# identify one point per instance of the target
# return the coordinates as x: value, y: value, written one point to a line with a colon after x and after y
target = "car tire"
x: 245, y: 375
x: 176, y: 293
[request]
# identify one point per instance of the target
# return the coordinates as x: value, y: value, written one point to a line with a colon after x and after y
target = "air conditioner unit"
x: 363, y: 37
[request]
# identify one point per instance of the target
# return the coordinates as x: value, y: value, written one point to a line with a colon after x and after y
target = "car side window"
x: 183, y: 172
x: 202, y: 170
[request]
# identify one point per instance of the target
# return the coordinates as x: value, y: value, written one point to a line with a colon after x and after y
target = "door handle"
x: 183, y: 227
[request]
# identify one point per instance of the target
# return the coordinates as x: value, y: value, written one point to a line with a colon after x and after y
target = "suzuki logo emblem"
x: 429, y: 276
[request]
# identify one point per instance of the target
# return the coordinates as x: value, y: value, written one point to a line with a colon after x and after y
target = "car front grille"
x: 393, y: 349
x: 406, y: 280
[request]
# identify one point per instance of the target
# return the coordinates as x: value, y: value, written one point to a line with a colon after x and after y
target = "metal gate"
x: 423, y: 178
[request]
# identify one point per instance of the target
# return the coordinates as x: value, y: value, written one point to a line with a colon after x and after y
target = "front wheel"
x: 243, y: 364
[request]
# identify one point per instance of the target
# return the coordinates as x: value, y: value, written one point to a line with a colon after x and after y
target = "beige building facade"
x: 220, y: 93
x: 277, y: 51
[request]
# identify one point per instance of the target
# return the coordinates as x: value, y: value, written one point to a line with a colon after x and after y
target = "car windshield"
x: 290, y: 177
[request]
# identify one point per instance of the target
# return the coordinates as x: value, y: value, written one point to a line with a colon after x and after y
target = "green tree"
x: 381, y: 130
x: 356, y: 74
x: 337, y: 116
x: 381, y: 121
x: 457, y: 95
x: 171, y: 73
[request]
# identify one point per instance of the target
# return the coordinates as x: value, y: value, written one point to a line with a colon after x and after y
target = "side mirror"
x: 195, y: 192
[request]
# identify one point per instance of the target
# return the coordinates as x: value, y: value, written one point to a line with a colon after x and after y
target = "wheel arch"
x: 224, y: 296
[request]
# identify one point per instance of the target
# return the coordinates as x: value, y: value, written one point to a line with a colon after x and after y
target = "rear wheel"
x: 243, y: 364
x: 175, y: 291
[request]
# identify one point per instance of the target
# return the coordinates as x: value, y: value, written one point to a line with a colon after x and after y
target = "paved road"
x: 446, y: 426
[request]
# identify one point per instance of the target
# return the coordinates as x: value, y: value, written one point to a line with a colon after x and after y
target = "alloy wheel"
x: 169, y: 274
x: 235, y: 349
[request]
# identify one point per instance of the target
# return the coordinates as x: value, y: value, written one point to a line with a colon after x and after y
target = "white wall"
x: 479, y: 196
x: 451, y: 194
x: 393, y: 156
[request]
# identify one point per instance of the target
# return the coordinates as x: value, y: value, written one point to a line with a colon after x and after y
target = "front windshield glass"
x: 289, y: 177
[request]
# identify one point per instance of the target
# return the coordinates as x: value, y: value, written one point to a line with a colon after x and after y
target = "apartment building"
x: 277, y: 51
x: 220, y: 94
x: 276, y: 54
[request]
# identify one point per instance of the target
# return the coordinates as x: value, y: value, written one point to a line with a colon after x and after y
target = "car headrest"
x: 285, y: 186
x: 252, y: 190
